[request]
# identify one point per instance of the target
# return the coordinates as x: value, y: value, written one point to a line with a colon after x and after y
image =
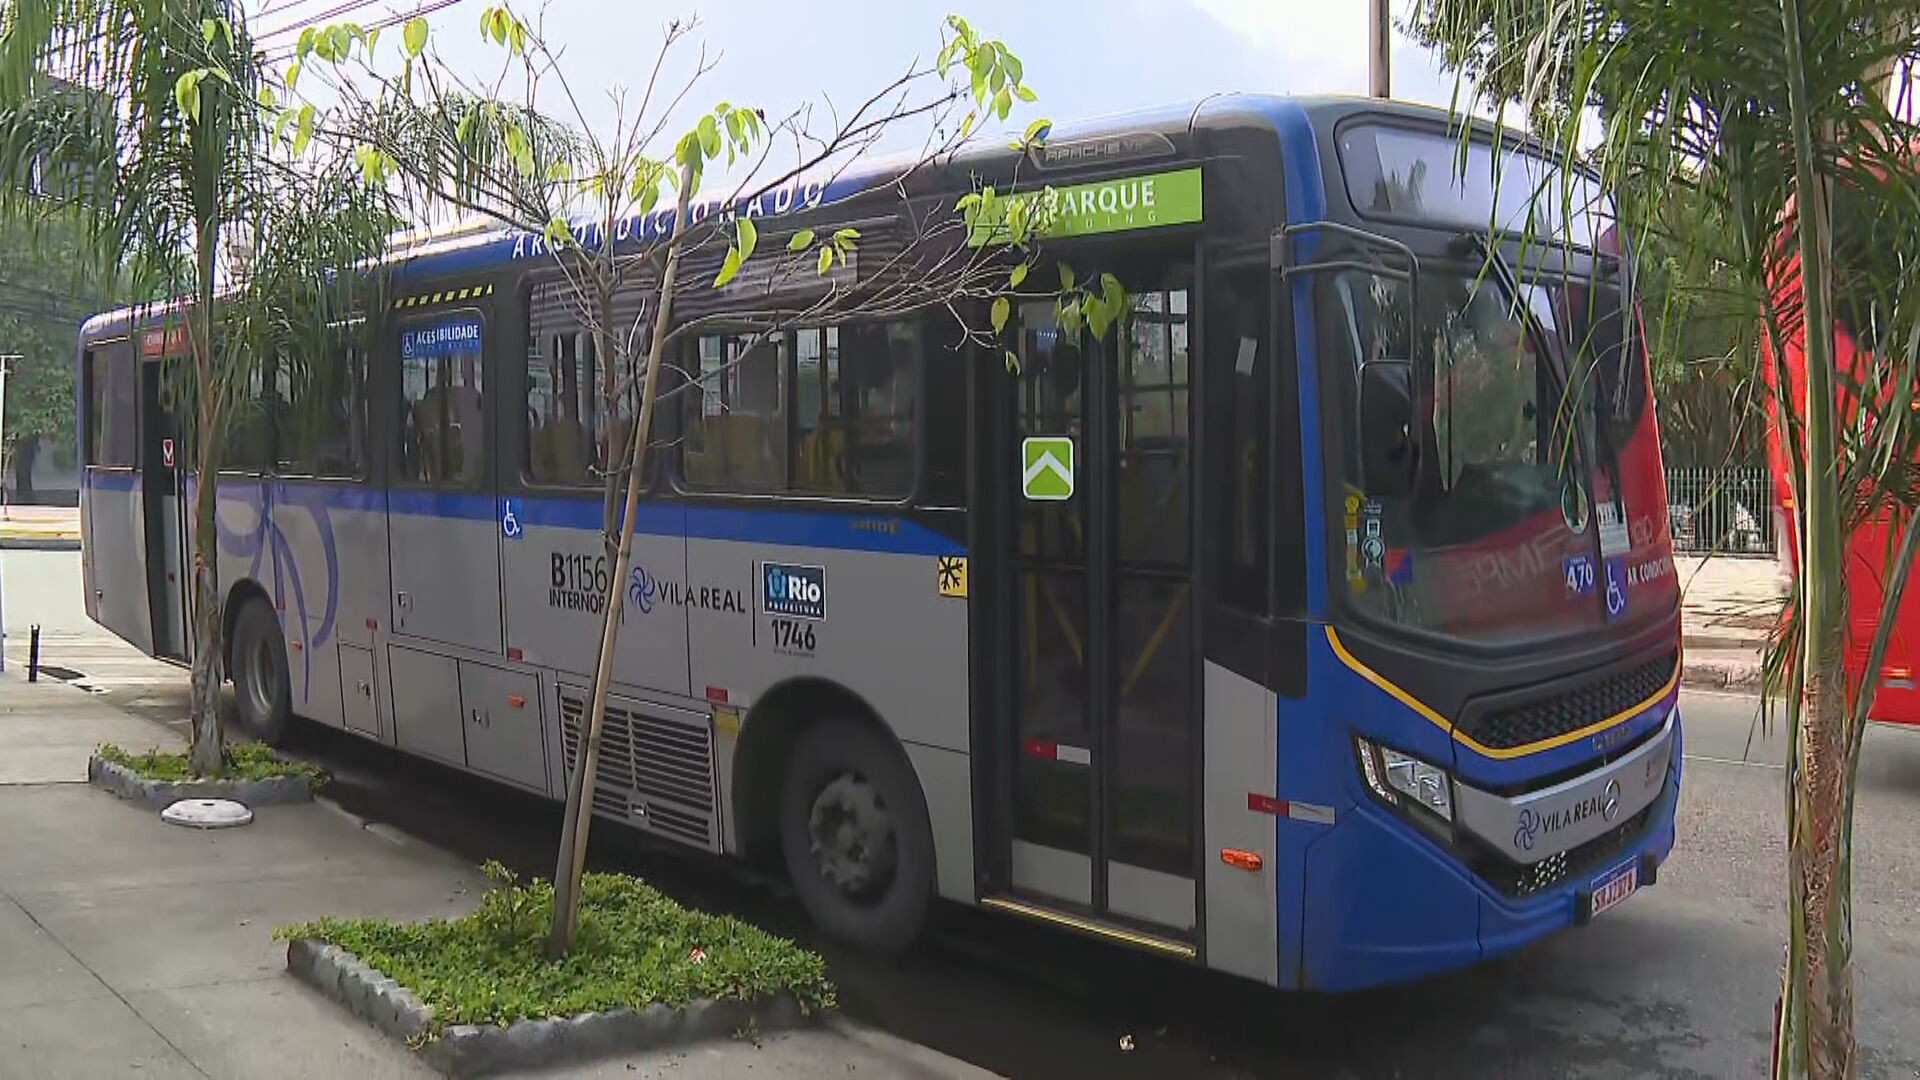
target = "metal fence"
x: 1721, y: 511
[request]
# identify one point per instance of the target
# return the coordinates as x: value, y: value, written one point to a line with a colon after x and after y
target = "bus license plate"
x: 1612, y: 890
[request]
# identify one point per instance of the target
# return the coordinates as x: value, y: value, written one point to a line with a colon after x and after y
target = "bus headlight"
x: 1393, y: 776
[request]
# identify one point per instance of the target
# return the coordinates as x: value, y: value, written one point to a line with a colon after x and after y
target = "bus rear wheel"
x: 855, y: 833
x: 261, y: 687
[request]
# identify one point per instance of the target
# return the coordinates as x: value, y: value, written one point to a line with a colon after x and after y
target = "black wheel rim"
x: 853, y: 838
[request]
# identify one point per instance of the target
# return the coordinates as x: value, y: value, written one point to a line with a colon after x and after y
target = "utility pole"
x: 7, y: 361
x: 1379, y: 49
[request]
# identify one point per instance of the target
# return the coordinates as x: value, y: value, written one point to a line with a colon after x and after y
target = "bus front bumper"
x: 1406, y: 907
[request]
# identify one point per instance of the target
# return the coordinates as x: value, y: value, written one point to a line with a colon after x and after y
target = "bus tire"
x: 261, y: 685
x: 855, y: 833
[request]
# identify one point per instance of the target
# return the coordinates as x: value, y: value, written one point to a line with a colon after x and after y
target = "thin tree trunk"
x: 1816, y: 1030
x: 206, y: 758
x: 579, y: 816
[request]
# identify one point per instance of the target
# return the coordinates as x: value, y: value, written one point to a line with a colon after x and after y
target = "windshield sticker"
x: 1573, y: 507
x: 1399, y: 566
x: 1578, y: 571
x: 1372, y: 547
x: 1355, y: 579
x: 1613, y: 529
x: 1616, y: 588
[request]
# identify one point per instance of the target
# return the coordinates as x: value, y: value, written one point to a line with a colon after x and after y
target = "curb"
x: 482, y: 1049
x: 1713, y: 675
x: 38, y: 543
x: 160, y: 793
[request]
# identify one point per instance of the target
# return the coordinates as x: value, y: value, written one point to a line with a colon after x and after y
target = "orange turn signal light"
x: 1241, y: 860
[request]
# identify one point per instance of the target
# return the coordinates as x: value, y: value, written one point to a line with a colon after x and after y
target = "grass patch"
x: 243, y: 761
x: 635, y: 948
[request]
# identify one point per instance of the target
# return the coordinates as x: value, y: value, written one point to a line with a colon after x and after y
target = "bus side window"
x: 570, y: 437
x: 442, y: 418
x: 1240, y: 367
x: 112, y: 438
x: 323, y: 423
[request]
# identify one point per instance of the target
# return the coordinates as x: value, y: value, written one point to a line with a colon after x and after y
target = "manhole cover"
x: 207, y: 814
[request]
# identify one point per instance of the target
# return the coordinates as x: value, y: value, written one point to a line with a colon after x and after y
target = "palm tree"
x: 153, y: 117
x: 1775, y: 115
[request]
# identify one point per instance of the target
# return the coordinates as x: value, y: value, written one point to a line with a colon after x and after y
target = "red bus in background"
x: 1896, y: 685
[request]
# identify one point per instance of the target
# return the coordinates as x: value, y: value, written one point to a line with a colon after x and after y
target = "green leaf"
x: 801, y: 241
x: 209, y: 29
x: 415, y: 36
x: 1066, y: 278
x: 1015, y: 69
x: 293, y: 74
x: 1002, y: 309
x: 265, y: 97
x: 520, y: 150
x: 826, y: 259
x: 845, y: 239
x: 303, y: 133
x: 709, y: 132
x: 967, y: 122
x: 1013, y: 362
x: 1026, y: 94
x: 749, y: 237
x: 186, y: 94
x: 1037, y: 131
x: 1018, y: 277
x: 728, y: 268
x: 1003, y: 102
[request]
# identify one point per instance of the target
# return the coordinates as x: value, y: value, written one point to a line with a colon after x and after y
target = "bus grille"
x: 1520, y: 882
x: 1551, y: 717
x: 654, y: 771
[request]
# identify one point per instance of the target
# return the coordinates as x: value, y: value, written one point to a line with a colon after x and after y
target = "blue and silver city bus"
x: 1304, y: 627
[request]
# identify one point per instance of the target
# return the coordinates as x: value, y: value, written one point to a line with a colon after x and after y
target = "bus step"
x: 1090, y: 926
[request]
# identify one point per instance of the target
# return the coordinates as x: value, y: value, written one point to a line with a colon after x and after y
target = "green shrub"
x: 635, y: 948
x: 242, y: 761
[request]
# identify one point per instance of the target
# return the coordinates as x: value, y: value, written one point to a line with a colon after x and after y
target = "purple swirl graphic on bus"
x: 266, y: 538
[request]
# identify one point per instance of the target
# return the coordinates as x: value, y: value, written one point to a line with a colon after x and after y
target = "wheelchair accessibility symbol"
x: 1616, y: 587
x: 510, y: 521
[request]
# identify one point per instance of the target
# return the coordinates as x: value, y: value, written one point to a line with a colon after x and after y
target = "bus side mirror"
x: 1389, y: 452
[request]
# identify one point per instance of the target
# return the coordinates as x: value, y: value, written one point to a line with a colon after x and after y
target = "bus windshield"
x: 1493, y: 544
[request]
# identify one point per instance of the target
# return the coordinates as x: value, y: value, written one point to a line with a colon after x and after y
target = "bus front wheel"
x: 854, y: 830
x: 260, y: 683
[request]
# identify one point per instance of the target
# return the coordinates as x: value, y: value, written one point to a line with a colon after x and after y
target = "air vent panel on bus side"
x: 655, y: 769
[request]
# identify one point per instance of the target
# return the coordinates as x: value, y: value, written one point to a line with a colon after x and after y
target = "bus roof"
x: 468, y: 248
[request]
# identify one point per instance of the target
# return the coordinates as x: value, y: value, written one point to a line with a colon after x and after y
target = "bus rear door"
x: 163, y: 510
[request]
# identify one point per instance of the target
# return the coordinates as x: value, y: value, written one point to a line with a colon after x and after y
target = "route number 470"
x: 793, y: 635
x: 1579, y: 572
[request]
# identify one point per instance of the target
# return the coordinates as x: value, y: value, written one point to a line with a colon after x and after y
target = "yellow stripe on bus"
x: 1422, y: 708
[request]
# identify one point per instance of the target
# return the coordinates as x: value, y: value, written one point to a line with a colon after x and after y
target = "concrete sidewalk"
x: 1728, y: 606
x: 128, y: 946
x: 46, y: 528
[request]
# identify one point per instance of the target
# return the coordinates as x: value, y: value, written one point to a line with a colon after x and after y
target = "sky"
x: 1082, y: 61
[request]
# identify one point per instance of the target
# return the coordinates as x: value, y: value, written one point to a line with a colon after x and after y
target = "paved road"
x: 1678, y: 982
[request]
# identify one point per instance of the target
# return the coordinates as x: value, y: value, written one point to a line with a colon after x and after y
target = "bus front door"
x: 1096, y: 642
x: 163, y: 512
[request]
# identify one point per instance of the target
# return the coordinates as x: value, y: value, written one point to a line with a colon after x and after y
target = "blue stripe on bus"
x: 873, y: 531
